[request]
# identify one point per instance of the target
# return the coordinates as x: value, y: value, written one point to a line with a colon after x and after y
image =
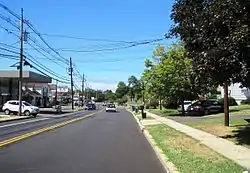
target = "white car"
x: 12, y: 106
x: 111, y: 108
x: 186, y: 104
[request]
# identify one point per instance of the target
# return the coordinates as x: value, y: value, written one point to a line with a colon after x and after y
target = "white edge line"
x: 169, y: 167
x: 25, y: 122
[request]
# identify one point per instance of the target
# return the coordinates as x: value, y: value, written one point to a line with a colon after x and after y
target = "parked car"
x: 205, y: 107
x: 110, y: 108
x: 12, y: 106
x: 186, y: 104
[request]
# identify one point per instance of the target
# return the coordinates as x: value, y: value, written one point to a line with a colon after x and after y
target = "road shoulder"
x: 167, y: 165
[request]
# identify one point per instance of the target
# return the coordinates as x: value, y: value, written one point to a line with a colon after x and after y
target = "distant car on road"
x: 110, y: 108
x: 12, y: 106
x: 205, y: 107
x: 90, y: 106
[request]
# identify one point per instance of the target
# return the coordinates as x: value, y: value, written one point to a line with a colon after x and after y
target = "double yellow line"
x: 36, y: 132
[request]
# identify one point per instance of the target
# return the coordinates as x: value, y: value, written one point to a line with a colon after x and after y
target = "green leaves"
x: 171, y: 77
x: 121, y: 90
x: 216, y: 36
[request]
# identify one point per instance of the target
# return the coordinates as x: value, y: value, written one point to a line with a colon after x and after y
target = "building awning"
x: 28, y: 76
x: 31, y: 93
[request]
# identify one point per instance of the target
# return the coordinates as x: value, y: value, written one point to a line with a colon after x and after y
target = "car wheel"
x: 27, y: 113
x: 34, y: 115
x: 7, y: 111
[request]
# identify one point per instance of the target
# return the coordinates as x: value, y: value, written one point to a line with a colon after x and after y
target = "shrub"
x: 122, y: 101
x: 245, y: 102
x: 231, y: 101
x: 170, y: 104
x: 153, y: 104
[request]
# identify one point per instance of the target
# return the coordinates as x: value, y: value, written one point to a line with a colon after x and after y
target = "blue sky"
x: 129, y: 20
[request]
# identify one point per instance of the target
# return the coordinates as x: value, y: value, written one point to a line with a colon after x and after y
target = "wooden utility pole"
x: 72, y: 84
x: 226, y: 108
x: 21, y: 65
x: 56, y: 92
x: 83, y: 80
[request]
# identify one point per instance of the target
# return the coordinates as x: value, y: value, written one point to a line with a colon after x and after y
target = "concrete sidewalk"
x: 237, y: 153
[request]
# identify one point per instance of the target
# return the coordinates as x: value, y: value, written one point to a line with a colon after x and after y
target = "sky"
x: 99, y: 20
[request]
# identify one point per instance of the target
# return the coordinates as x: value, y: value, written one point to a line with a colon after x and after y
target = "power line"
x: 7, y: 56
x: 113, y: 49
x: 8, y: 10
x: 87, y: 39
x: 39, y: 35
x: 8, y: 50
x: 45, y: 69
x: 34, y: 61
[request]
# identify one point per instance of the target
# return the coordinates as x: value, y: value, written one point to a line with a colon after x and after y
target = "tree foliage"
x: 216, y: 36
x: 121, y: 90
x: 134, y: 88
x: 171, y: 78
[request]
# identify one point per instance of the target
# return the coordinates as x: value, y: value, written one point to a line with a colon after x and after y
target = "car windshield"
x: 187, y: 102
x: 26, y: 104
x: 111, y: 106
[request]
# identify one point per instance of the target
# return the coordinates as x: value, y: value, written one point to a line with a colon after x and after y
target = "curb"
x: 168, y: 166
x: 16, y: 119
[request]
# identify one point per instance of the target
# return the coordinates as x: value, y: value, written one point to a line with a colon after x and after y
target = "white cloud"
x: 103, y: 86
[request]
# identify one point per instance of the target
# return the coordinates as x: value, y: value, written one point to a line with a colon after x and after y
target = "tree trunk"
x: 226, y: 106
x: 160, y: 103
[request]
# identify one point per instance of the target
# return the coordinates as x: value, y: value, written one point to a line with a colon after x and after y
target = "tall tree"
x: 134, y: 88
x: 216, y: 36
x: 110, y: 96
x: 121, y: 90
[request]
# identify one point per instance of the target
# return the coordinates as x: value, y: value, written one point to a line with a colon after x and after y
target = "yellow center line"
x: 35, y: 132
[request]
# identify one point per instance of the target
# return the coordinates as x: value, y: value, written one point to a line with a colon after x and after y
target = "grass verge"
x: 239, y: 107
x: 238, y: 131
x: 188, y: 155
x: 164, y: 111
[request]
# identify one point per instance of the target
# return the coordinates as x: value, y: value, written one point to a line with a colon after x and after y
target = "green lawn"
x: 238, y: 132
x: 163, y: 111
x: 188, y: 155
x: 239, y: 107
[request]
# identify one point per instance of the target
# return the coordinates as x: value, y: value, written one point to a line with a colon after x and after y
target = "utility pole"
x: 21, y: 65
x: 56, y: 92
x: 72, y: 85
x: 83, y: 80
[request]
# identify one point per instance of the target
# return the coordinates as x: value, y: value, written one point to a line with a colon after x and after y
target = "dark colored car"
x: 90, y: 106
x: 205, y: 107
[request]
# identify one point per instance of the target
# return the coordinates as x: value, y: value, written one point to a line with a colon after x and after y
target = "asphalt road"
x: 19, y: 127
x: 103, y: 143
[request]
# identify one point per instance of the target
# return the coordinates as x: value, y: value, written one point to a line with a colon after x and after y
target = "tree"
x: 177, y: 69
x: 110, y: 96
x: 121, y: 90
x: 216, y: 36
x: 134, y: 88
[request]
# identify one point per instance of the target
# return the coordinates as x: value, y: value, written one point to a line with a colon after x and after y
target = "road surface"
x: 102, y: 143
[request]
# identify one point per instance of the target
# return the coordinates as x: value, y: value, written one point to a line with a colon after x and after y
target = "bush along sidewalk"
x: 188, y: 155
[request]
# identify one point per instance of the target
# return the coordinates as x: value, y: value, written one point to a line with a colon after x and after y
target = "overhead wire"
x: 48, y: 70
